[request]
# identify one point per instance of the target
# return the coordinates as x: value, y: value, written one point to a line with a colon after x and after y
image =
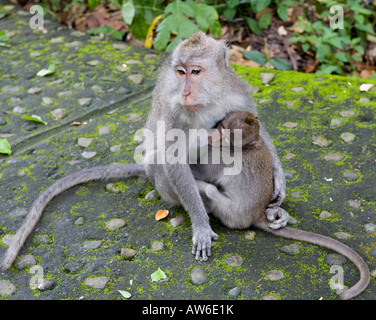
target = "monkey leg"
x: 223, y: 207
x: 210, y: 195
x: 162, y: 185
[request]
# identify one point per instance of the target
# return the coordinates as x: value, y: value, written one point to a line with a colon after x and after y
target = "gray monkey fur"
x: 223, y: 91
x: 240, y: 201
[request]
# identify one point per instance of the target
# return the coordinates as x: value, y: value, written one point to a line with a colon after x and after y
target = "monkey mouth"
x: 193, y: 107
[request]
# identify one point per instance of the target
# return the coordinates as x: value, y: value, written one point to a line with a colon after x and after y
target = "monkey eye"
x: 180, y: 71
x: 195, y: 71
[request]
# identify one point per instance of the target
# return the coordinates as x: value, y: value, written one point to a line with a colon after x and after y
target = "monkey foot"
x: 277, y: 216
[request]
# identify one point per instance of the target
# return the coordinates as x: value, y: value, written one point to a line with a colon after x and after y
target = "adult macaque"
x: 240, y: 201
x: 196, y: 88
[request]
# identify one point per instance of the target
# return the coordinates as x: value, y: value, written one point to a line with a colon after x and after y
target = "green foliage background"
x: 337, y: 49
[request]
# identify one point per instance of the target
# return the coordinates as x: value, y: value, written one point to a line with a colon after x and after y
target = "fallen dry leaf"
x: 296, y: 27
x: 77, y: 123
x: 282, y: 31
x: 262, y: 12
x: 236, y: 57
x: 161, y: 214
x: 149, y: 40
x: 366, y: 86
x: 366, y: 73
x: 250, y: 63
x: 312, y: 67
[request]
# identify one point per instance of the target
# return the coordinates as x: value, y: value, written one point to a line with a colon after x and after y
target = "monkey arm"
x: 184, y: 185
x: 279, y: 193
x: 278, y: 218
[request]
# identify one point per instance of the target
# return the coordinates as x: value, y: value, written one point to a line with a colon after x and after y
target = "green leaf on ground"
x: 265, y: 20
x: 253, y: 25
x: 3, y: 14
x: 280, y: 64
x: 3, y: 36
x: 34, y: 118
x: 256, y: 56
x: 3, y: 39
x: 158, y: 275
x: 5, y: 147
x: 128, y: 12
x: 50, y: 70
x: 107, y: 31
x: 125, y: 294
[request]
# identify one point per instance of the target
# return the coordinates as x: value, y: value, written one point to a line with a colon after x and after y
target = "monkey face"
x: 190, y: 76
x: 197, y: 63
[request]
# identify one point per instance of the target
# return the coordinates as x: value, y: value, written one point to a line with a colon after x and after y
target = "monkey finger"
x: 276, y: 225
x: 283, y: 216
x: 208, y: 252
x: 215, y: 237
x: 201, y: 253
x: 270, y: 214
x: 194, y: 248
x: 204, y: 255
x: 274, y: 203
x: 204, y: 252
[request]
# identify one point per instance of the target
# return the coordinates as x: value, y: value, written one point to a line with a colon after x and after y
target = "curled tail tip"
x: 352, y: 292
x: 349, y: 293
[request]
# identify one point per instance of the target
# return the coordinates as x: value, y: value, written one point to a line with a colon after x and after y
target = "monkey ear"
x: 250, y: 119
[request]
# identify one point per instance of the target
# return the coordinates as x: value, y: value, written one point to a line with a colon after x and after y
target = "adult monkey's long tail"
x: 328, y: 243
x: 114, y: 171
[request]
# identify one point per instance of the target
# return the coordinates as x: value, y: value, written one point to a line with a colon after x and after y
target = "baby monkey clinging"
x: 240, y: 201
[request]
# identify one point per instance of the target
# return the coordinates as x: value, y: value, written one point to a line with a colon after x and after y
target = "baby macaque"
x: 240, y: 201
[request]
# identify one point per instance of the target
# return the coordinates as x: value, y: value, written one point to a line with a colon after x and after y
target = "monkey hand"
x: 277, y: 216
x: 202, y: 238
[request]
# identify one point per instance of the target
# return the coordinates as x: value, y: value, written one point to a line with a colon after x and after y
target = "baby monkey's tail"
x: 328, y: 243
x: 114, y: 171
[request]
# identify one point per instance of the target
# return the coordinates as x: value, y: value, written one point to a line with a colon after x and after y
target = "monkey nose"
x: 186, y: 90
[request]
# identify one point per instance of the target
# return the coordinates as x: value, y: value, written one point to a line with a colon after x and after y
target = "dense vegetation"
x: 327, y: 36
